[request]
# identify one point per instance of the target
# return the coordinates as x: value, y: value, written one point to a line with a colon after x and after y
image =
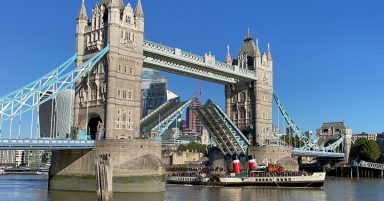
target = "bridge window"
x: 128, y: 19
x: 94, y: 94
x: 130, y: 126
x: 130, y: 94
x: 235, y: 115
x: 234, y: 99
x: 130, y: 71
x: 118, y: 93
x: 242, y: 113
x: 242, y: 97
x: 124, y: 94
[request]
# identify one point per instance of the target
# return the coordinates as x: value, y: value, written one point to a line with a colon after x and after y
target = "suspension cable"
x: 19, y: 132
x: 11, y: 123
x: 32, y: 117
x: 87, y: 100
x: 38, y: 120
x: 1, y: 119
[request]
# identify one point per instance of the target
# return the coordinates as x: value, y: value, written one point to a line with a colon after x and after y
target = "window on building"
x: 119, y: 68
x: 235, y: 115
x: 130, y: 70
x: 129, y: 113
x: 94, y: 94
x: 242, y: 113
x: 127, y: 36
x: 119, y: 94
x: 234, y: 99
x: 128, y: 19
x: 242, y: 97
x: 124, y: 94
x: 130, y: 95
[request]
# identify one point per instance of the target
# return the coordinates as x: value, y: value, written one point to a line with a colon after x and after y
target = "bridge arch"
x: 94, y: 125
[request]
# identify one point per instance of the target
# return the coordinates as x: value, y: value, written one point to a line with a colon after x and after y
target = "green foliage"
x: 193, y: 146
x: 363, y: 149
x: 293, y: 141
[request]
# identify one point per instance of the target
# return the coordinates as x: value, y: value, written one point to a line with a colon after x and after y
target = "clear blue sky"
x: 328, y: 55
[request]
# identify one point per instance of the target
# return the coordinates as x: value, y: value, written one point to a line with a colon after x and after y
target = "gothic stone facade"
x: 331, y: 131
x: 109, y: 98
x: 249, y: 104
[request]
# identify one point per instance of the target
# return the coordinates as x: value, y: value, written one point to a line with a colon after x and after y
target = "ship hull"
x: 316, y: 180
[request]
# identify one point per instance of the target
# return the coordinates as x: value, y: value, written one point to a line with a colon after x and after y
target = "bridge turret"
x: 82, y: 19
x: 258, y: 55
x: 269, y: 57
x: 264, y: 60
x: 228, y: 59
x: 139, y: 17
x: 83, y: 13
x: 249, y: 104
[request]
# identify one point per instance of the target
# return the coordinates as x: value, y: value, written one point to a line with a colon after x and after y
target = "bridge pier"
x: 279, y: 154
x: 136, y: 165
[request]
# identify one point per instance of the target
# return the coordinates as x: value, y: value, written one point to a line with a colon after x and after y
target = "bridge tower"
x: 108, y: 99
x: 108, y: 103
x: 331, y: 131
x: 249, y: 104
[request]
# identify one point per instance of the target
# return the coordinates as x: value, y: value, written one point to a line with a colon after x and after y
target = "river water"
x: 34, y: 188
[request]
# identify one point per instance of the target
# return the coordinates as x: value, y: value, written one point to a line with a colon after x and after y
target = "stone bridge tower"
x: 331, y: 131
x: 249, y: 104
x: 108, y: 99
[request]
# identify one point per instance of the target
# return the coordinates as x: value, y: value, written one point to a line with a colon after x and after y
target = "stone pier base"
x: 136, y: 167
x: 279, y: 154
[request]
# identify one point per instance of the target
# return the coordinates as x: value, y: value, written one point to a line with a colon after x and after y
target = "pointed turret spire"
x: 257, y: 48
x: 228, y: 59
x: 139, y: 10
x: 83, y: 12
x: 269, y: 52
x: 248, y: 37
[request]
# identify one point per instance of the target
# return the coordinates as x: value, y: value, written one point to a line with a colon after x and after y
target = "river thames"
x: 34, y: 188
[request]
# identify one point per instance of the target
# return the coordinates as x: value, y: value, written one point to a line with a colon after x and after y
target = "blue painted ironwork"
x: 229, y: 139
x: 322, y: 154
x: 20, y: 101
x: 29, y: 87
x: 165, y: 121
x: 45, y: 144
x: 29, y: 97
x: 309, y: 144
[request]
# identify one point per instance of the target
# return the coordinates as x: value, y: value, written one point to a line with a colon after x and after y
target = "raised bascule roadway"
x: 19, y: 110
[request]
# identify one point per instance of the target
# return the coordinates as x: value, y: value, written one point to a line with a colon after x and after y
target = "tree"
x: 193, y: 146
x: 294, y: 141
x: 364, y: 149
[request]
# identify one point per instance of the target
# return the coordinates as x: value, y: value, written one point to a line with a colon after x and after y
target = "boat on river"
x: 43, y: 171
x: 267, y: 176
x: 265, y: 179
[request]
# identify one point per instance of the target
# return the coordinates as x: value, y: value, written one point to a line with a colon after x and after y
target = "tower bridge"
x: 105, y: 74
